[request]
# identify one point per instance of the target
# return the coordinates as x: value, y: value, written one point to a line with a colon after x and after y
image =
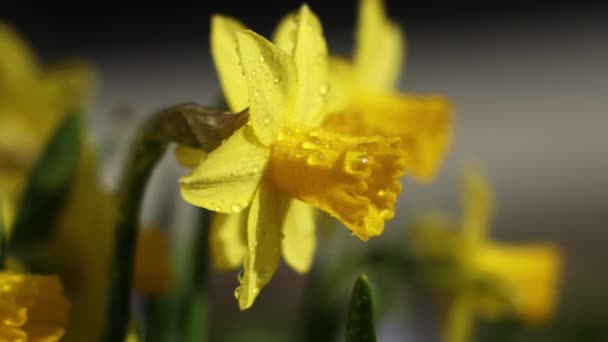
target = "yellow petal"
x: 228, y: 240
x: 299, y: 239
x: 263, y: 244
x: 66, y: 87
x: 460, y: 320
x: 341, y: 83
x: 354, y: 179
x: 188, y: 156
x: 227, y: 61
x: 152, y: 273
x: 477, y: 207
x: 7, y: 212
x: 227, y: 179
x: 18, y: 67
x: 272, y: 82
x: 379, y: 50
x: 301, y: 35
x: 529, y: 273
x: 424, y: 124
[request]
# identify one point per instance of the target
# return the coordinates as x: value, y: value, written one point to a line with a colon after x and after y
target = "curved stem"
x: 187, y: 124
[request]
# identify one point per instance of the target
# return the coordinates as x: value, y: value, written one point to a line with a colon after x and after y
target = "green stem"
x: 188, y: 124
x: 197, y: 304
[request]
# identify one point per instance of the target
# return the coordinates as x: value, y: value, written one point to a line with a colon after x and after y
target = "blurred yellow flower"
x: 152, y: 275
x: 33, y: 102
x: 81, y: 252
x: 363, y: 99
x: 283, y: 164
x: 491, y: 279
x: 32, y: 307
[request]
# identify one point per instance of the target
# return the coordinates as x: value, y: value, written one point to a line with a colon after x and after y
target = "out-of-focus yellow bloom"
x: 33, y: 102
x: 81, y: 252
x: 283, y: 164
x: 483, y: 277
x: 363, y: 98
x: 32, y: 307
x: 152, y: 276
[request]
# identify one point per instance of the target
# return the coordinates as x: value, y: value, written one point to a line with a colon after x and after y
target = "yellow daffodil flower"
x: 33, y: 102
x: 491, y: 279
x: 363, y: 99
x: 282, y: 164
x: 152, y: 270
x: 32, y: 307
x: 81, y: 252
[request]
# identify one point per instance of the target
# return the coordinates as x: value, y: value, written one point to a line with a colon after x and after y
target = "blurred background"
x: 529, y: 81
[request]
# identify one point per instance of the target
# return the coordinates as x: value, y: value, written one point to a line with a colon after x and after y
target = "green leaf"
x: 360, y: 320
x: 47, y: 186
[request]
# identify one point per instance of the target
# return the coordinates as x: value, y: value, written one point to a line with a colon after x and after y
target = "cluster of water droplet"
x: 262, y: 277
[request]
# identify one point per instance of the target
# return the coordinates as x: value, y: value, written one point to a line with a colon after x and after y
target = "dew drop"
x: 255, y: 169
x: 236, y: 208
x: 276, y: 80
x: 262, y: 58
x: 240, y: 276
x: 216, y: 209
x: 233, y: 172
x: 262, y: 275
x: 386, y: 214
x: 323, y: 89
x: 316, y: 158
x: 267, y: 119
x: 237, y: 293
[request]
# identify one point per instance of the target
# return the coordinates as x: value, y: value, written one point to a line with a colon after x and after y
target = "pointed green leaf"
x: 360, y: 320
x: 47, y: 186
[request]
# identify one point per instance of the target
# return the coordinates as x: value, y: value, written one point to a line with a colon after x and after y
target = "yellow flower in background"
x: 32, y: 104
x: 33, y: 101
x: 152, y: 270
x: 491, y: 279
x: 364, y: 100
x: 283, y: 164
x: 32, y: 307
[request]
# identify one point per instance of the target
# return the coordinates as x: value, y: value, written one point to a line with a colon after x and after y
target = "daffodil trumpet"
x: 189, y: 125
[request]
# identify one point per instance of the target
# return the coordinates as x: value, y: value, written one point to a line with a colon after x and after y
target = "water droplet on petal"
x: 262, y: 275
x: 237, y: 293
x: 324, y: 88
x: 236, y: 208
x: 240, y: 276
x: 262, y: 59
x: 276, y: 80
x: 316, y: 158
x: 267, y: 119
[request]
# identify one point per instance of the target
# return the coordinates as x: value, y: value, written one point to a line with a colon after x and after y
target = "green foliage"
x: 360, y: 321
x: 47, y: 186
